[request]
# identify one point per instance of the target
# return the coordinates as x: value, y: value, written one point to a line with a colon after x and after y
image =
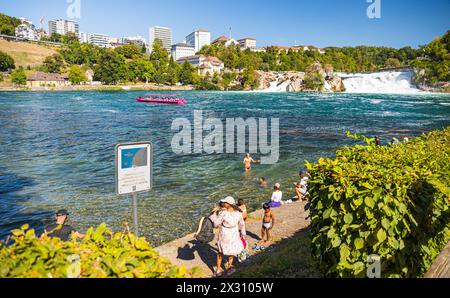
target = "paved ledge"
x: 441, y: 266
x: 186, y: 251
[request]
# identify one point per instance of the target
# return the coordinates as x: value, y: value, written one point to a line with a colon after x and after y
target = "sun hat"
x: 229, y: 200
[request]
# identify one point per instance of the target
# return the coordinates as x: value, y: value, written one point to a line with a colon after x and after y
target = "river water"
x: 57, y: 151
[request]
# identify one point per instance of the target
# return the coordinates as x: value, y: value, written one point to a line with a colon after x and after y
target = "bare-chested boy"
x: 267, y: 225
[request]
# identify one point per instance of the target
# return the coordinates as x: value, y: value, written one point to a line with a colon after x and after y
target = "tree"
x: 130, y: 51
x: 141, y: 70
x: 77, y: 75
x: 392, y: 63
x: 53, y: 64
x: 19, y: 77
x: 111, y: 68
x: 55, y: 37
x: 160, y: 60
x: 6, y: 62
x: 248, y: 79
x: 173, y: 74
x: 6, y: 29
x: 70, y: 38
x: 8, y: 24
x: 186, y: 74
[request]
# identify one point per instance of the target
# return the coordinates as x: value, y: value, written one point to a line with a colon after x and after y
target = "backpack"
x: 205, y: 232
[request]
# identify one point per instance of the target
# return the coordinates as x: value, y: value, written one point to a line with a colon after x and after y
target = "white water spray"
x: 379, y: 82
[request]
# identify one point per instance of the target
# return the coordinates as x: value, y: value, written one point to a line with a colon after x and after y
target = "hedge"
x: 389, y: 201
x: 101, y: 254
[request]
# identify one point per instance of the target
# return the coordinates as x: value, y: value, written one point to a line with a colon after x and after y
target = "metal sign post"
x: 134, y: 163
x: 135, y: 215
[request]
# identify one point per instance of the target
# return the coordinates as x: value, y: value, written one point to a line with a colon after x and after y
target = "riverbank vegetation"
x: 392, y: 202
x: 101, y: 254
x: 131, y: 63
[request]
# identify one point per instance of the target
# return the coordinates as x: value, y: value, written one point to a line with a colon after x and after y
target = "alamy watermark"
x: 214, y: 136
x: 73, y: 9
x: 374, y: 9
x: 374, y: 268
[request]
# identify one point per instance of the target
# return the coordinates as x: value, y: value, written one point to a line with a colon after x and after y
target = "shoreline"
x: 116, y: 89
x: 291, y: 220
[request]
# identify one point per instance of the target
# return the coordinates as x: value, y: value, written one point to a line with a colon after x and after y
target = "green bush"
x: 101, y: 254
x: 19, y: 77
x: 6, y: 62
x: 387, y: 201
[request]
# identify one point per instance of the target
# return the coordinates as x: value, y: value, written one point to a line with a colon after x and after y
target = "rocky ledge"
x: 291, y: 81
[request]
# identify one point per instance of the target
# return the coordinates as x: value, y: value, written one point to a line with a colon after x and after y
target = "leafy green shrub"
x: 19, y: 77
x: 100, y: 254
x: 6, y: 62
x: 387, y: 201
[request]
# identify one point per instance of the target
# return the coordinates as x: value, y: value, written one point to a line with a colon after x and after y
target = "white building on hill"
x: 26, y: 30
x: 247, y: 43
x: 63, y: 27
x: 162, y: 33
x: 181, y: 50
x: 207, y: 65
x: 101, y: 40
x: 136, y: 40
x: 198, y: 39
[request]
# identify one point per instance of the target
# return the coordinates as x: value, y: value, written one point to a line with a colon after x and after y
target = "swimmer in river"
x: 248, y: 160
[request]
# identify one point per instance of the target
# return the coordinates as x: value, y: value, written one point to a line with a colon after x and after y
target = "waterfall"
x: 280, y: 84
x: 379, y: 82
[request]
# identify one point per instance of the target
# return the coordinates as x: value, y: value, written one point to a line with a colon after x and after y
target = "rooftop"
x: 181, y: 44
x: 247, y: 38
x: 42, y: 76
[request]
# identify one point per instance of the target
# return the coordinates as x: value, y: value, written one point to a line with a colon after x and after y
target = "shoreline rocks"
x: 293, y: 81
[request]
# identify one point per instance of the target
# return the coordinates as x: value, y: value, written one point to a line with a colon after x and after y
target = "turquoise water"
x: 57, y: 151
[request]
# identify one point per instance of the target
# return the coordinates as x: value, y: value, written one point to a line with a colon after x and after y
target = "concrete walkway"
x: 186, y: 251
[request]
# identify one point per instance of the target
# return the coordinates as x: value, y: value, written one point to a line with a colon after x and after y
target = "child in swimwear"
x: 267, y: 225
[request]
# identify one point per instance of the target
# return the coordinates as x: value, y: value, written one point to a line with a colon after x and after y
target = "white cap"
x: 229, y: 200
x: 277, y: 185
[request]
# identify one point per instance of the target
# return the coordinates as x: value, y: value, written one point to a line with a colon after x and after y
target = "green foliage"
x: 111, y: 68
x: 130, y: 51
x: 392, y: 63
x: 141, y: 70
x: 101, y: 254
x: 18, y: 77
x: 389, y: 201
x: 314, y: 80
x: 81, y: 54
x: 6, y: 62
x: 53, y: 64
x: 187, y: 73
x: 248, y: 79
x: 206, y: 83
x: 77, y: 75
x: 435, y: 66
x: 55, y: 37
x: 8, y: 25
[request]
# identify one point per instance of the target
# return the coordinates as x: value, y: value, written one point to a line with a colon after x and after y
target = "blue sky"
x: 285, y: 22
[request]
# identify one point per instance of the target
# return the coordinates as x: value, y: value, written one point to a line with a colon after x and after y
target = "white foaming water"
x: 277, y: 85
x: 379, y: 82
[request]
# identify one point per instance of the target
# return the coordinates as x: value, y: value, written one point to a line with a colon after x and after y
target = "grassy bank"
x: 289, y: 258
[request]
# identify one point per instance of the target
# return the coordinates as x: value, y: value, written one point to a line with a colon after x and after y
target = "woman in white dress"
x: 231, y: 223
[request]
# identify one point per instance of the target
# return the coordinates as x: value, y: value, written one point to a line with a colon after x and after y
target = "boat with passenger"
x: 173, y: 99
